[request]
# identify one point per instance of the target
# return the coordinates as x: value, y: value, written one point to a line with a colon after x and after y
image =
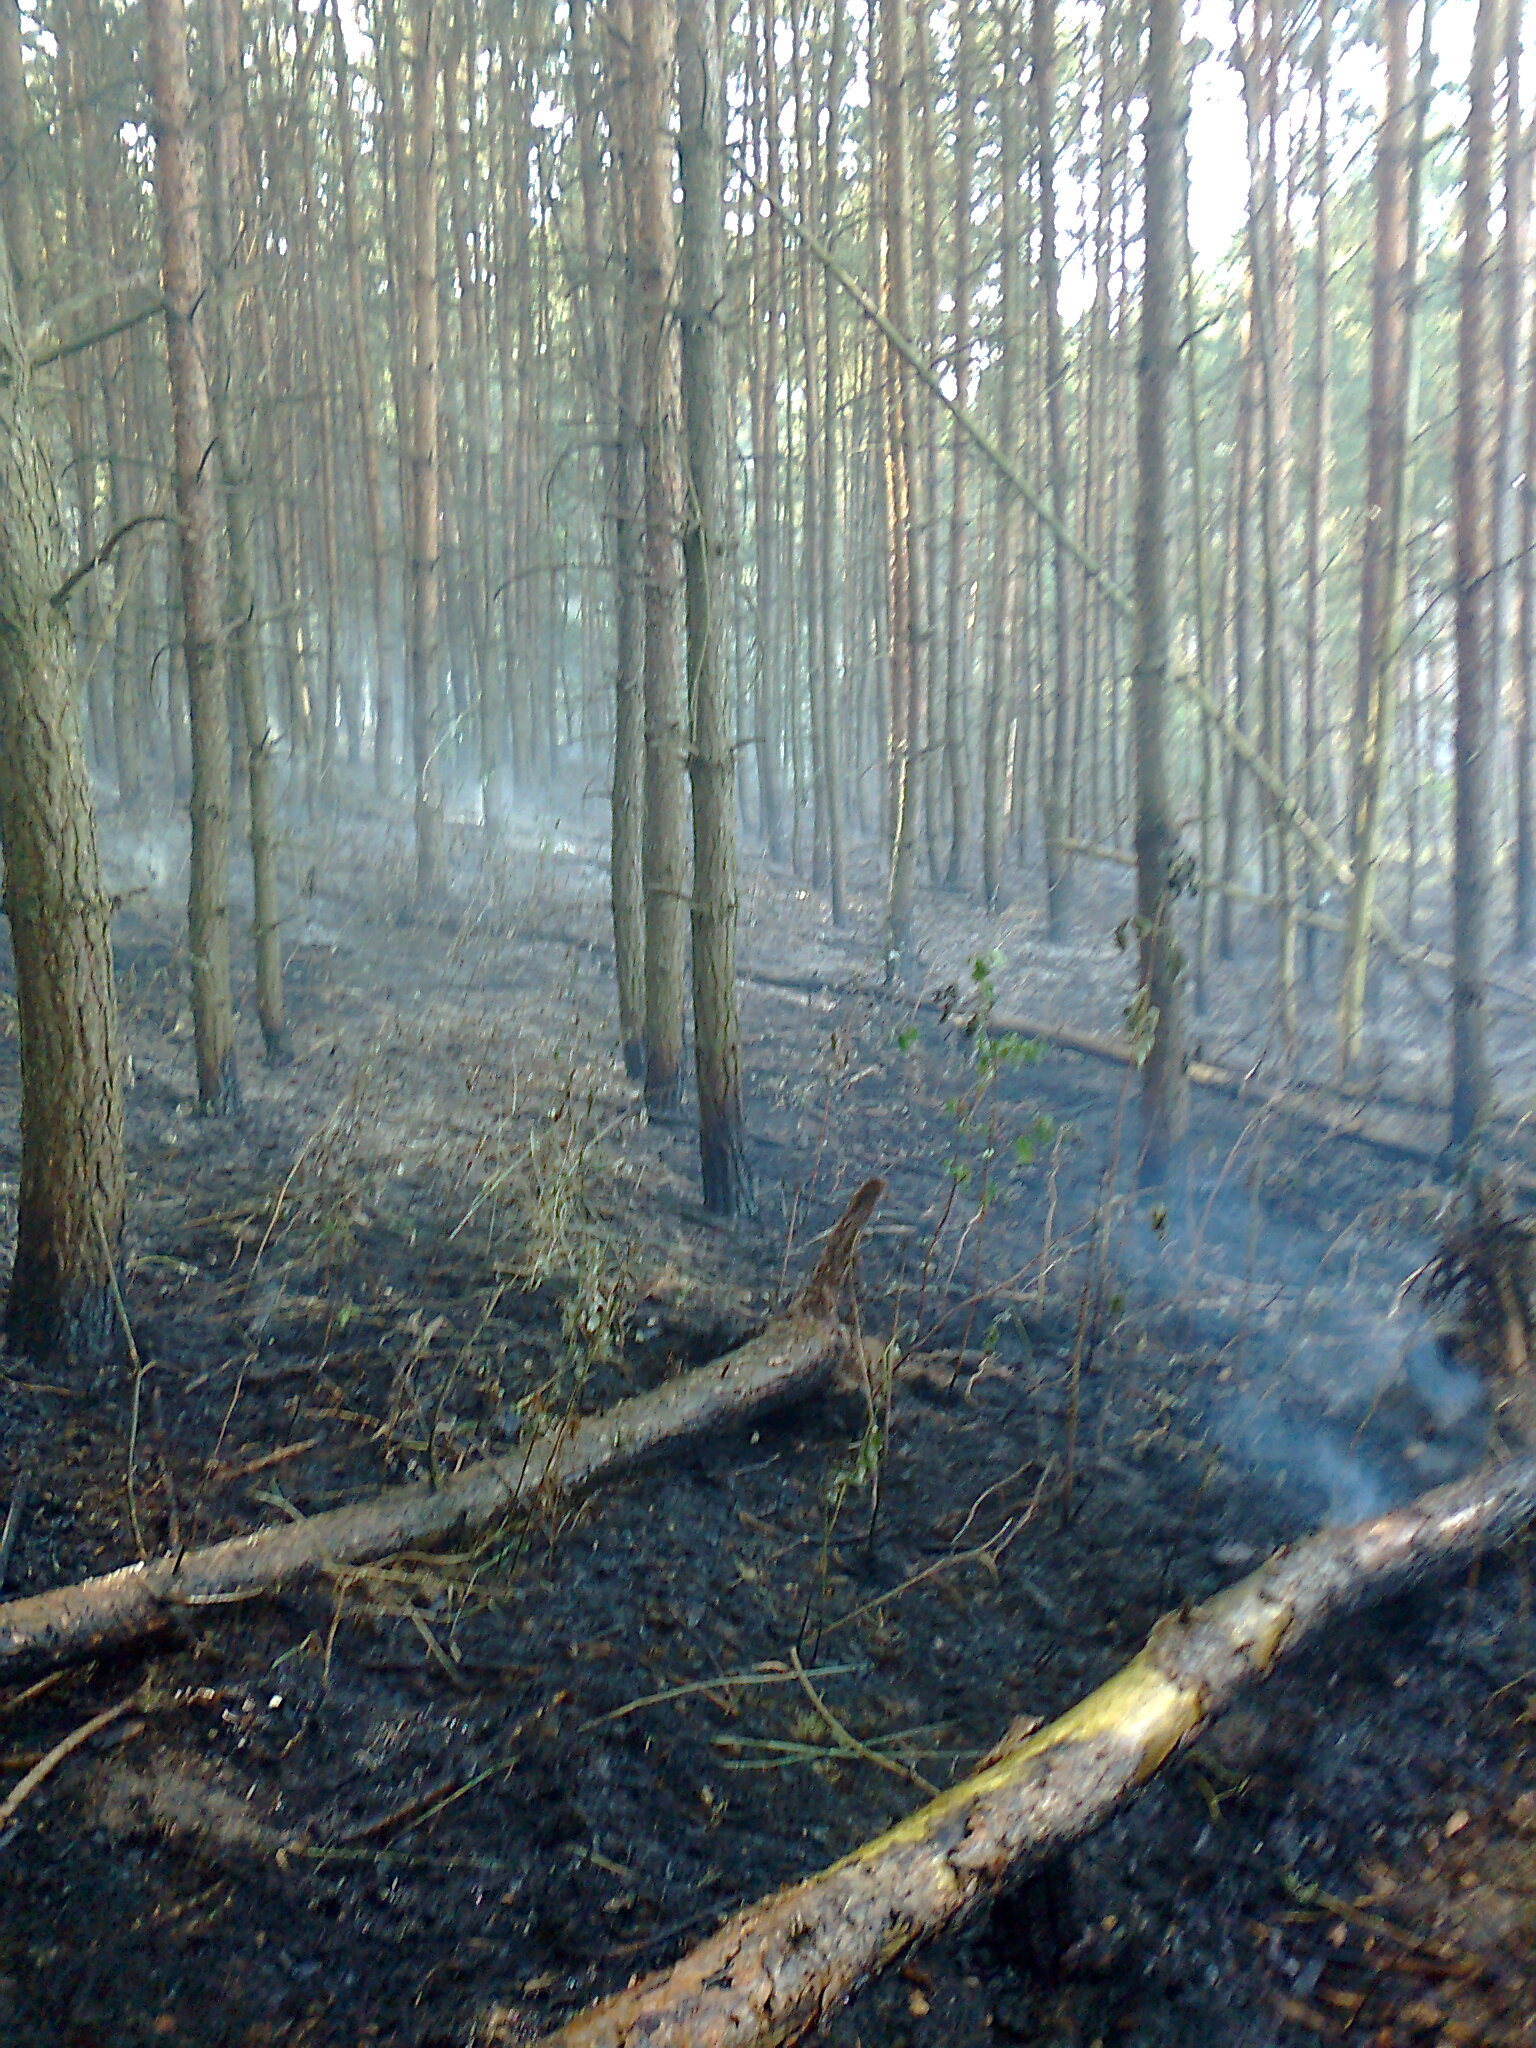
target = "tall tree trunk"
x: 1005, y: 516
x: 1512, y: 300
x: 1057, y: 769
x: 908, y: 633
x: 1524, y: 679
x: 627, y: 858
x: 1270, y: 300
x: 666, y: 849
x: 426, y: 482
x: 957, y: 624
x: 18, y: 198
x: 1164, y: 1084
x: 833, y: 553
x: 767, y: 273
x: 69, y: 1213
x: 177, y: 184
x: 367, y: 423
x: 706, y: 537
x: 1471, y: 1076
x: 230, y: 408
x: 1318, y: 460
x: 1394, y: 322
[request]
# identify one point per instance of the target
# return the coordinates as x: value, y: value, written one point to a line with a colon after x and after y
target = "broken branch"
x: 1322, y: 1108
x: 789, y: 1358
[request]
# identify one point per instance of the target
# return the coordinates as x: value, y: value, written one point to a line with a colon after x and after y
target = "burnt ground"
x: 451, y: 1799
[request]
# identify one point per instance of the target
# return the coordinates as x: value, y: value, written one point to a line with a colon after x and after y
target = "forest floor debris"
x: 1240, y: 1374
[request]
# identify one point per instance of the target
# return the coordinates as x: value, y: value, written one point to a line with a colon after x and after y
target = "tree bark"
x: 367, y: 422
x: 904, y: 555
x: 706, y: 538
x: 1006, y: 522
x: 245, y: 638
x: 178, y: 187
x: 1381, y: 539
x: 1160, y: 999
x: 426, y: 543
x: 1057, y: 767
x: 69, y: 1215
x: 1471, y: 1076
x: 666, y: 847
x: 627, y: 857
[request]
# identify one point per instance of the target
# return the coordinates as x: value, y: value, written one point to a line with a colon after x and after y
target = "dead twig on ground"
x: 13, y: 1515
x: 13, y: 1802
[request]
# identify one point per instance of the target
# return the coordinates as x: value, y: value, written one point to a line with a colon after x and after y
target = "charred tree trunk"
x: 1164, y: 1087
x: 706, y: 538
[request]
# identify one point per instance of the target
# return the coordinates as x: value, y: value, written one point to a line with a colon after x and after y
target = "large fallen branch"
x: 1323, y: 1108
x: 790, y: 1357
x: 776, y: 1969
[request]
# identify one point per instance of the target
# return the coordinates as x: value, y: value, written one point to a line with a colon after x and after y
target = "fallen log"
x: 1322, y: 1109
x: 775, y: 1970
x: 789, y: 1358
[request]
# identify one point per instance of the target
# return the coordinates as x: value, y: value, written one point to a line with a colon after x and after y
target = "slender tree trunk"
x: 1318, y: 459
x: 1164, y: 1084
x: 833, y: 554
x: 177, y: 183
x: 957, y: 624
x: 1005, y: 517
x: 1524, y: 679
x: 1058, y: 767
x: 767, y: 271
x: 1235, y: 808
x: 706, y: 537
x: 425, y: 494
x: 1471, y: 1076
x: 666, y: 847
x: 245, y: 639
x: 367, y: 425
x: 1509, y: 330
x: 1380, y: 577
x: 628, y: 792
x: 908, y: 634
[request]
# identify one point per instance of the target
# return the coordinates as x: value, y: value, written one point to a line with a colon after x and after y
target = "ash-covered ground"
x: 451, y: 1799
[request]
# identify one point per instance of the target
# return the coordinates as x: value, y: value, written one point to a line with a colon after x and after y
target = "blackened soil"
x: 452, y: 1799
